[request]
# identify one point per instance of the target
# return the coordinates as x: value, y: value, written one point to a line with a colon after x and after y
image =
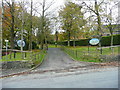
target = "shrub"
x: 105, y: 41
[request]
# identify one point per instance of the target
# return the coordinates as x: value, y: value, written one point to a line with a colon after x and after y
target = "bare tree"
x: 43, y: 16
x: 110, y: 20
x: 96, y: 11
x: 31, y: 26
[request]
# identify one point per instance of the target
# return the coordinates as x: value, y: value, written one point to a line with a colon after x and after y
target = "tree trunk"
x: 56, y: 35
x: 43, y: 13
x: 42, y: 44
x: 12, y: 27
x: 74, y: 42
x: 68, y: 38
x: 99, y: 25
x: 46, y: 44
x: 30, y: 42
x: 1, y: 28
x: 112, y: 40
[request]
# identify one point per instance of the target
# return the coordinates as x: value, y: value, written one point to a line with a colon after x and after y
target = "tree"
x: 96, y: 9
x: 20, y: 26
x: 56, y: 38
x: 1, y: 20
x: 12, y: 24
x: 110, y: 20
x: 72, y: 19
x: 9, y: 25
x: 44, y: 26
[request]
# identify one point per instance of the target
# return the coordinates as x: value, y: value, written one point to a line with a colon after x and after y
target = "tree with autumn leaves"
x: 19, y: 21
x: 13, y: 24
x: 10, y: 25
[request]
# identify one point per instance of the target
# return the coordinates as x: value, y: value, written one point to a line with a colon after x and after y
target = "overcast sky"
x: 53, y: 10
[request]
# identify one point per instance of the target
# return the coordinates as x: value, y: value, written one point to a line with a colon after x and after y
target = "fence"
x: 38, y: 57
x: 92, y: 55
x: 17, y: 55
x: 21, y: 59
x: 12, y: 54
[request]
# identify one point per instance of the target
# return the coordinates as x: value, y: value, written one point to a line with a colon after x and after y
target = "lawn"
x: 53, y: 46
x: 18, y: 56
x: 91, y: 54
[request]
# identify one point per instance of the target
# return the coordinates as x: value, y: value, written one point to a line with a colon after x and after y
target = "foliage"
x: 105, y: 41
x: 72, y: 19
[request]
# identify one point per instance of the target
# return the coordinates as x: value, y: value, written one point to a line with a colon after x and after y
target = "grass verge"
x: 89, y: 54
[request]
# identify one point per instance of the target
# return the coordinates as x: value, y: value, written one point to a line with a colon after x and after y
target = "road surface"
x: 57, y: 59
x: 107, y: 78
x: 60, y: 71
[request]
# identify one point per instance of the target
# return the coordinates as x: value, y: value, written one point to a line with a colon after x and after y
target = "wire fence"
x: 93, y: 55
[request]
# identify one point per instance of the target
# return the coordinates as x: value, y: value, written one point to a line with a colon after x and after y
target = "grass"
x: 39, y: 57
x: 18, y: 56
x: 36, y: 57
x: 105, y: 51
x: 81, y: 53
x: 53, y: 46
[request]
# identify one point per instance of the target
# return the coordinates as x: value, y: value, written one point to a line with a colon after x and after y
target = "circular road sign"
x: 20, y: 43
x: 94, y: 41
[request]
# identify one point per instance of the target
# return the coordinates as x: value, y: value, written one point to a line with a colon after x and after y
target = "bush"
x: 106, y: 41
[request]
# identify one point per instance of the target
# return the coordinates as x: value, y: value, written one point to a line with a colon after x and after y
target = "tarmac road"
x: 57, y: 59
x: 104, y: 78
x: 85, y: 77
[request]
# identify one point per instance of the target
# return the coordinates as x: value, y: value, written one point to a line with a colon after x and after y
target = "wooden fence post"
x: 14, y: 54
x: 76, y: 53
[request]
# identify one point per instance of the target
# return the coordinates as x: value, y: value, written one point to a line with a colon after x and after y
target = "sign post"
x: 21, y: 43
x: 94, y: 41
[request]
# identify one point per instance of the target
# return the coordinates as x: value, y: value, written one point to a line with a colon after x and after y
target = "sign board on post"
x: 21, y: 43
x: 94, y: 41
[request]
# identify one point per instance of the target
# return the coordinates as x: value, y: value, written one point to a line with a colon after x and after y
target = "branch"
x: 49, y: 5
x: 101, y: 3
x: 89, y: 8
x: 8, y: 4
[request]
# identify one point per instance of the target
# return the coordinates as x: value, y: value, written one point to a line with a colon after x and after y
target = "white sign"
x: 94, y: 41
x: 21, y: 43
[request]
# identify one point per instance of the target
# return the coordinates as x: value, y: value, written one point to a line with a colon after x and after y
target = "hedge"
x: 105, y: 41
